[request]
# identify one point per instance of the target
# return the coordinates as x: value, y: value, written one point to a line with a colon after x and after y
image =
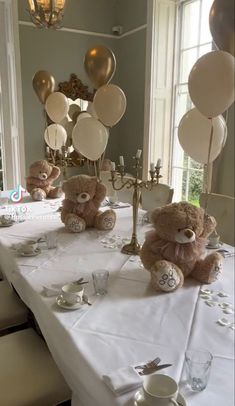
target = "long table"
x: 131, y: 323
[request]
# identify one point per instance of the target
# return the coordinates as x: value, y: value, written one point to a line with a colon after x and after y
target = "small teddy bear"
x: 40, y: 180
x: 176, y: 248
x: 83, y: 196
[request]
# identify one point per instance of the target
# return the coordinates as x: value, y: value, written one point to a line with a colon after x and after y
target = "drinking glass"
x: 100, y: 282
x: 51, y: 239
x: 198, y: 366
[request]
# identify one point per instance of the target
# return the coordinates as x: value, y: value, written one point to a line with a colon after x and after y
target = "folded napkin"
x: 49, y: 292
x: 123, y: 380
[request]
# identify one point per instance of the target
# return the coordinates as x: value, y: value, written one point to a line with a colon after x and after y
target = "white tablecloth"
x: 130, y: 324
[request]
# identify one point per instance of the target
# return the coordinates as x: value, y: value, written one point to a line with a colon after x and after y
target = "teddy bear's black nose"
x: 44, y: 176
x: 188, y: 233
x: 83, y: 195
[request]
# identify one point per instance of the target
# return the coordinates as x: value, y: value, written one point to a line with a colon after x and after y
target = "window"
x: 11, y: 125
x: 178, y: 34
x: 194, y: 41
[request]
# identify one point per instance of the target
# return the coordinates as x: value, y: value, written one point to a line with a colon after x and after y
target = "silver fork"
x: 149, y: 364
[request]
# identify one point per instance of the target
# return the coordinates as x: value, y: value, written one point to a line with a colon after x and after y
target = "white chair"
x: 124, y: 195
x: 159, y: 196
x: 222, y: 208
x: 13, y: 312
x: 105, y: 176
x: 28, y: 374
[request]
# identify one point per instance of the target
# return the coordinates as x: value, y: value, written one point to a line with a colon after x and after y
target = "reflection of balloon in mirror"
x: 110, y: 104
x: 91, y: 110
x: 194, y: 136
x: 90, y: 138
x: 82, y: 115
x: 69, y: 128
x: 211, y: 83
x: 221, y: 19
x: 100, y: 65
x: 65, y: 121
x: 74, y: 111
x: 55, y: 136
x: 43, y: 84
x: 57, y: 106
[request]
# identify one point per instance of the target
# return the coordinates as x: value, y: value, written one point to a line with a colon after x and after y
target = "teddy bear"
x: 40, y: 180
x: 176, y: 247
x: 83, y: 197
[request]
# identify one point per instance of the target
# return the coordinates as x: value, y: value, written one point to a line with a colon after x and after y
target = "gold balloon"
x: 43, y: 84
x: 100, y: 65
x: 221, y: 19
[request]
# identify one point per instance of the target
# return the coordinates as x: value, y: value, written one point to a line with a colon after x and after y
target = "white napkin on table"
x: 123, y: 380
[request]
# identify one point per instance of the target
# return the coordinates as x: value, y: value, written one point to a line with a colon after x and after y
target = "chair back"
x: 159, y: 196
x: 222, y: 208
x: 7, y: 262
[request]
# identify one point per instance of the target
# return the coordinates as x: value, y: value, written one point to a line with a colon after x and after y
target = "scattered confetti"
x: 228, y: 311
x: 223, y: 294
x: 223, y: 322
x: 211, y: 303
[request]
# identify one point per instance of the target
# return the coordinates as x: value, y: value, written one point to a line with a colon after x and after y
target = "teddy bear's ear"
x: 154, y: 215
x: 65, y: 186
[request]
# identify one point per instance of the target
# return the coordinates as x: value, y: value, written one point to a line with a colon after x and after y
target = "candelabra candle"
x: 133, y: 248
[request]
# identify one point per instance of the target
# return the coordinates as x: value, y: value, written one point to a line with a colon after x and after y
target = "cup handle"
x: 78, y: 299
x: 174, y: 402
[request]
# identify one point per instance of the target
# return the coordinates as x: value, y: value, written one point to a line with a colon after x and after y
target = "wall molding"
x: 91, y: 33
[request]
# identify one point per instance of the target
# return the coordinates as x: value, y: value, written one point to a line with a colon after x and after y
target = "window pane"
x: 190, y: 27
x: 195, y: 186
x: 205, y: 35
x: 183, y: 102
x: 178, y: 156
x: 204, y: 49
x: 188, y: 59
x: 1, y: 180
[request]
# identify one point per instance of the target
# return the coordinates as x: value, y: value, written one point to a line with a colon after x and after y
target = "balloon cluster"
x: 202, y: 131
x: 89, y: 129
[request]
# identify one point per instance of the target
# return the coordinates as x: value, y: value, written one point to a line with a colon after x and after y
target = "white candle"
x: 121, y: 160
x: 113, y: 166
x: 159, y: 163
x: 152, y: 167
x: 138, y: 153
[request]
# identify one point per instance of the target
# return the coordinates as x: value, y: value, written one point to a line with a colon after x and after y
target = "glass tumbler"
x: 198, y: 366
x: 100, y: 282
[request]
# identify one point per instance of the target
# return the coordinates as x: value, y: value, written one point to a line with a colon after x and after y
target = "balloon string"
x: 208, y: 162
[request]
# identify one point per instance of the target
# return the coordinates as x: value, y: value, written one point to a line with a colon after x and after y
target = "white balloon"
x: 82, y: 115
x: 91, y: 110
x: 211, y: 83
x: 195, y: 132
x: 55, y: 136
x: 57, y: 106
x: 90, y: 138
x: 109, y: 104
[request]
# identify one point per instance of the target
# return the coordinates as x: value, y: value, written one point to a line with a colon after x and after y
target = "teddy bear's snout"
x: 185, y: 236
x: 83, y: 197
x: 43, y: 176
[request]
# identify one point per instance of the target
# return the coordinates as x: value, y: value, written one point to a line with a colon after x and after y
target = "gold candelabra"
x: 133, y: 248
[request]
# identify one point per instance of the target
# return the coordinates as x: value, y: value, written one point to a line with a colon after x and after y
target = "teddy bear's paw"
x: 74, y: 223
x: 55, y: 192
x: 214, y: 264
x: 166, y: 276
x: 38, y: 194
x: 106, y: 220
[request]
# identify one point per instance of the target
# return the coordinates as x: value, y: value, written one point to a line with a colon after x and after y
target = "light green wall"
x: 130, y: 13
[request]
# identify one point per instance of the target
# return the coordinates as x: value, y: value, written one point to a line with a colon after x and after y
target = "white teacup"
x: 160, y: 390
x: 213, y: 241
x: 29, y: 247
x: 6, y: 219
x: 72, y: 293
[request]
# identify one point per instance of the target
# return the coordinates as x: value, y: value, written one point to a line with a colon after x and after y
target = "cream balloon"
x: 211, y: 83
x: 90, y: 138
x: 55, y: 136
x: 194, y: 135
x: 57, y: 106
x: 83, y: 114
x: 110, y: 104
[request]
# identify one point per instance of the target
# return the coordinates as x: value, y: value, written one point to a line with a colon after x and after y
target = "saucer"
x: 139, y: 399
x: 29, y: 254
x: 214, y: 247
x: 67, y: 306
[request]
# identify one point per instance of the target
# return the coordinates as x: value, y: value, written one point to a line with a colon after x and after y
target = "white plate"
x: 67, y: 306
x: 27, y: 254
x: 140, y: 401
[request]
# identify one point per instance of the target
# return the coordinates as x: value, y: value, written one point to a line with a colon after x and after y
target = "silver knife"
x: 148, y: 371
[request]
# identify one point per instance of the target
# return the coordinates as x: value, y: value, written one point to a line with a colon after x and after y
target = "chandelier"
x: 47, y: 13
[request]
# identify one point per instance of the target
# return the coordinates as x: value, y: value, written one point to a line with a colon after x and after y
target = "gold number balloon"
x: 43, y: 84
x: 221, y: 19
x: 100, y: 65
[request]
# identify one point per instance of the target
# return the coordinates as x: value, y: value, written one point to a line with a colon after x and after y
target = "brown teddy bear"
x: 177, y: 247
x: 83, y: 196
x: 40, y: 180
